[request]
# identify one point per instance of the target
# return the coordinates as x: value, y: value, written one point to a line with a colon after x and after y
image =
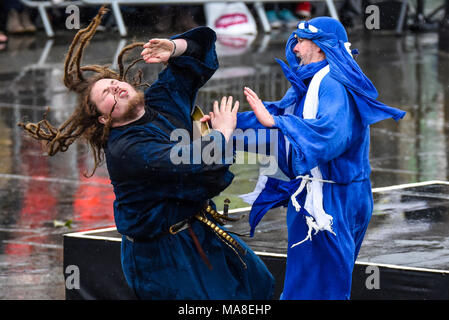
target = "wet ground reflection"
x: 409, y: 228
x: 37, y: 191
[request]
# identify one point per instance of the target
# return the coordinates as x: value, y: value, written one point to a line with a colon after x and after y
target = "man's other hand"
x: 160, y: 50
x: 224, y: 117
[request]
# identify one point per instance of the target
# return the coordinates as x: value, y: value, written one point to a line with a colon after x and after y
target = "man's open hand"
x: 262, y: 114
x: 224, y: 117
x: 157, y: 51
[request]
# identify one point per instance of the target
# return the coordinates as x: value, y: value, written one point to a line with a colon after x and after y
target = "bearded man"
x: 323, y: 156
x: 173, y: 245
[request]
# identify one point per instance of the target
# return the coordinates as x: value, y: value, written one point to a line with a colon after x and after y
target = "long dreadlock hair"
x: 84, y: 120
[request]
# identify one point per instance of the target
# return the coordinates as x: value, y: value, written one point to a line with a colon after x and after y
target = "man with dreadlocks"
x: 173, y: 246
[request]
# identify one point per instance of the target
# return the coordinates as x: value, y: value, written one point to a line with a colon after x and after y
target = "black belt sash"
x: 223, y: 235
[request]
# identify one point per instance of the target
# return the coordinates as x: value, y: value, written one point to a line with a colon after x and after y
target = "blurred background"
x: 43, y: 197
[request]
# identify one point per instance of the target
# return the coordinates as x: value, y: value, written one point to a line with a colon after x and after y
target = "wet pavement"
x: 38, y: 194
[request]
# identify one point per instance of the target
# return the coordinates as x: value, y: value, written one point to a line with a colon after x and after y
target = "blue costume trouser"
x: 322, y: 268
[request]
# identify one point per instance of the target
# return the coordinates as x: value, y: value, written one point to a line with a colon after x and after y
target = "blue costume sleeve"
x: 250, y: 135
x: 155, y: 158
x: 175, y: 91
x: 317, y: 141
x: 247, y: 119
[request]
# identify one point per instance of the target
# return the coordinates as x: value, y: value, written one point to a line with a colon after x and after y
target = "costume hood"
x: 330, y: 35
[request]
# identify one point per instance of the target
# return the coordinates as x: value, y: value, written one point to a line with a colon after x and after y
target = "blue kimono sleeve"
x: 251, y: 136
x: 318, y: 141
x: 248, y: 120
x: 175, y: 91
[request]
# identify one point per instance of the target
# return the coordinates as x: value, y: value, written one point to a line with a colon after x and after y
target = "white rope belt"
x: 305, y: 181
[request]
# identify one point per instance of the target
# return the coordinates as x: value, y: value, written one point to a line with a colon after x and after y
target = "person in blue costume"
x: 323, y: 155
x: 173, y: 244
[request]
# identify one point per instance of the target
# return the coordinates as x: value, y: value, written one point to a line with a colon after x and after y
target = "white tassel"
x: 319, y: 220
x: 312, y: 225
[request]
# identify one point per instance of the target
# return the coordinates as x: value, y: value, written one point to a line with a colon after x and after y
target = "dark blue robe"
x: 152, y: 194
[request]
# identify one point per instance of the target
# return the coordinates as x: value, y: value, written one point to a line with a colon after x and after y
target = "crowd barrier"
x: 42, y: 7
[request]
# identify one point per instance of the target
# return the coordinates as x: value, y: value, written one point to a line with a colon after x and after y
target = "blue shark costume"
x: 156, y: 198
x: 323, y: 152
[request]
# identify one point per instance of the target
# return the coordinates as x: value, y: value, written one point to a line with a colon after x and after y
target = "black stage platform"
x: 405, y: 254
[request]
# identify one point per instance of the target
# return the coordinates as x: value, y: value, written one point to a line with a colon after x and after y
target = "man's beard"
x: 133, y: 108
x: 301, y: 60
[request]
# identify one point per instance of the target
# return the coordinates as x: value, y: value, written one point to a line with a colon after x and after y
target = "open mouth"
x: 122, y: 93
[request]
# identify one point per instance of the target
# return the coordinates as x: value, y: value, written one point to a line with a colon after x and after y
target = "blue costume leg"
x: 365, y: 211
x: 322, y: 268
